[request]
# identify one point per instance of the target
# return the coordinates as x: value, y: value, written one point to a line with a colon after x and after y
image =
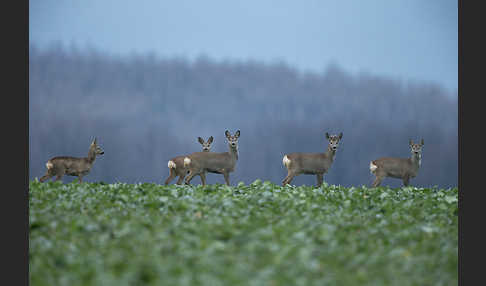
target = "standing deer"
x: 72, y: 166
x: 200, y: 163
x: 311, y: 163
x: 176, y: 164
x: 399, y: 168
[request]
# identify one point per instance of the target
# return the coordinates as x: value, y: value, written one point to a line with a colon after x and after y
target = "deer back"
x: 71, y: 165
x: 212, y: 161
x: 395, y: 167
x: 310, y: 163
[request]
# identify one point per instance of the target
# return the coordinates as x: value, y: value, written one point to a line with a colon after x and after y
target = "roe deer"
x: 311, y: 163
x: 399, y: 168
x: 176, y: 164
x: 72, y: 166
x: 200, y: 163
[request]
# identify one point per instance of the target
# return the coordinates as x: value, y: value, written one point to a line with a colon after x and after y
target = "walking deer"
x: 200, y: 163
x: 176, y: 164
x: 311, y: 163
x: 72, y: 166
x: 400, y: 168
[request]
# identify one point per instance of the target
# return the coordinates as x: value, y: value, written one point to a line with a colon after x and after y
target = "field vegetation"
x: 248, y: 234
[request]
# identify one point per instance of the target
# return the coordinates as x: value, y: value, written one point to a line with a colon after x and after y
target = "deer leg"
x: 203, y: 178
x: 288, y: 179
x: 181, y: 179
x: 80, y: 179
x: 171, y: 177
x: 182, y: 175
x: 377, y: 181
x: 406, y: 179
x: 226, y: 178
x: 58, y: 177
x: 47, y: 176
x: 284, y: 180
x: 319, y: 179
x: 59, y: 172
x: 190, y: 176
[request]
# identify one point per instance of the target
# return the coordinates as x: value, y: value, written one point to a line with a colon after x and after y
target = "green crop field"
x: 256, y: 234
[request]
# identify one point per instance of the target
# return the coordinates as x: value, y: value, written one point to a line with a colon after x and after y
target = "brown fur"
x: 400, y: 168
x: 311, y: 163
x: 72, y: 166
x: 182, y: 171
x: 199, y: 163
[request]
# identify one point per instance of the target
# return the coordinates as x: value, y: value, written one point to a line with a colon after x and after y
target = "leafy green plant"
x: 256, y: 234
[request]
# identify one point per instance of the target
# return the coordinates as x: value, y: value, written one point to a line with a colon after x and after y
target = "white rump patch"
x: 187, y: 161
x: 286, y: 161
x: 49, y: 165
x: 373, y: 167
x: 171, y: 164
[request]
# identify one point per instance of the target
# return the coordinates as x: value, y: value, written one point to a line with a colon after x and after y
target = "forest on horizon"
x: 145, y: 109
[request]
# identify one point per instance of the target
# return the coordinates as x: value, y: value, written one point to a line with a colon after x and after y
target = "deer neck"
x: 416, y: 160
x: 233, y: 151
x: 330, y: 154
x: 91, y: 156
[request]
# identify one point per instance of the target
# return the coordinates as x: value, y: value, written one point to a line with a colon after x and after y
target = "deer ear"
x: 422, y: 142
x: 210, y: 140
x: 200, y: 140
x: 410, y: 142
x: 227, y: 133
x: 94, y: 141
x: 327, y: 135
x: 237, y: 134
x: 340, y: 135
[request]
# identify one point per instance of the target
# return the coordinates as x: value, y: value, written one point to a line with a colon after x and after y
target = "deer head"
x: 95, y: 149
x: 206, y: 145
x: 232, y: 140
x: 334, y: 140
x: 416, y: 149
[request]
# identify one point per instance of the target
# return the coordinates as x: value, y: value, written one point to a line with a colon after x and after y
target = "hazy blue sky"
x: 406, y: 39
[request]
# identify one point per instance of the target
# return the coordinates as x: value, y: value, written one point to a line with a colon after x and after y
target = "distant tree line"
x: 145, y: 110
